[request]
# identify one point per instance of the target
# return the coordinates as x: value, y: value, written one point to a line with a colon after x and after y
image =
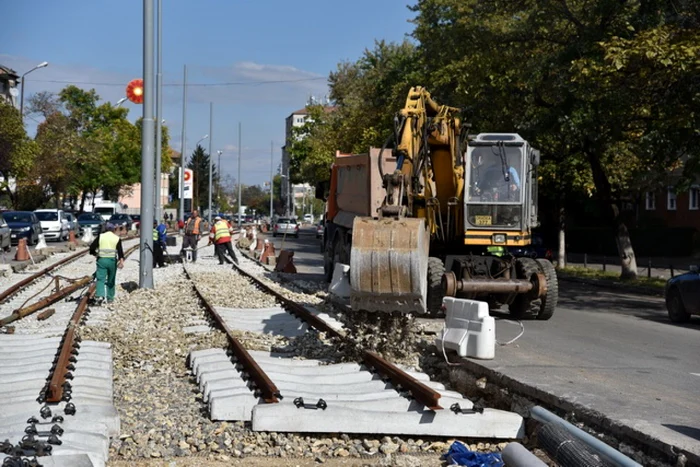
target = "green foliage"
x: 17, y: 151
x: 199, y: 163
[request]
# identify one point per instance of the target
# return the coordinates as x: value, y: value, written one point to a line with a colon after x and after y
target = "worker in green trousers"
x: 110, y: 256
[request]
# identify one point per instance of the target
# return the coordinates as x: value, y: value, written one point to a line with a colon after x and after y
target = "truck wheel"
x: 330, y: 256
x: 549, y: 302
x: 436, y: 269
x: 523, y: 306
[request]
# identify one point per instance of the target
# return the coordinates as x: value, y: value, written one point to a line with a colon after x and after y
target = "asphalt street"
x: 612, y: 352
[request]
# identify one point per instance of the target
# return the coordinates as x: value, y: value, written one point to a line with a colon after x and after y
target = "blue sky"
x: 221, y: 41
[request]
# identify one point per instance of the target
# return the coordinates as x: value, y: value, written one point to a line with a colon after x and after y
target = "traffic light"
x: 134, y: 91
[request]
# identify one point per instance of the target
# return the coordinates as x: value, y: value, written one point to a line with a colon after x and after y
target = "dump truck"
x: 432, y: 213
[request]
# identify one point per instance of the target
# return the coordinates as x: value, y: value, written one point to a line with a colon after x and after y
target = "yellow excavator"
x: 434, y: 213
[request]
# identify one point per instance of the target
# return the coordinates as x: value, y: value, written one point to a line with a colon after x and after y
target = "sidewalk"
x: 661, y: 267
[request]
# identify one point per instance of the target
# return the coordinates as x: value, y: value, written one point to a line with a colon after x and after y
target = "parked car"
x: 23, y: 224
x: 319, y: 230
x: 5, y: 235
x: 309, y: 218
x: 72, y: 223
x: 91, y: 220
x: 285, y: 225
x: 683, y: 296
x: 122, y: 220
x: 53, y: 223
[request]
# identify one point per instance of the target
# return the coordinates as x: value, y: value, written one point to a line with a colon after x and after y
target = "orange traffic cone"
x: 71, y: 238
x: 22, y: 252
x: 268, y: 252
x: 285, y: 262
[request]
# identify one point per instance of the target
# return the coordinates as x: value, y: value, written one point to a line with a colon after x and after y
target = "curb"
x: 618, y: 287
x: 589, y: 417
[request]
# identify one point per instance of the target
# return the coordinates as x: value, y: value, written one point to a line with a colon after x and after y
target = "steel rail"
x: 263, y: 383
x: 10, y: 291
x: 399, y: 378
x: 20, y: 313
x: 63, y: 366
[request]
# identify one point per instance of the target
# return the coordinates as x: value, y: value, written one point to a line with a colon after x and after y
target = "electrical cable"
x: 234, y: 83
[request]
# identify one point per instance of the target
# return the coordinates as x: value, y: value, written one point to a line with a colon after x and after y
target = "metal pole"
x: 182, y: 146
x: 147, y: 166
x: 271, y: 177
x: 218, y: 185
x: 159, y: 111
x: 211, y: 156
x: 21, y: 101
x: 239, y: 175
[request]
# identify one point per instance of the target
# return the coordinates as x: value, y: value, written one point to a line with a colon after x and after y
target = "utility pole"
x: 159, y: 110
x: 182, y: 146
x: 272, y: 192
x: 147, y: 166
x: 239, y: 176
x: 211, y: 156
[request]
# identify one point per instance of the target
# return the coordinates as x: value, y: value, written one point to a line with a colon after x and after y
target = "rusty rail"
x: 24, y: 282
x: 399, y: 378
x: 267, y: 388
x: 44, y: 302
x: 63, y: 366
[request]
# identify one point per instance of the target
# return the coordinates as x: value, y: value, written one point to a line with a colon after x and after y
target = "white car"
x: 54, y: 224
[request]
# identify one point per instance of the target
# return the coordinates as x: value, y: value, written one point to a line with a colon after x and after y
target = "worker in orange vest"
x: 220, y: 236
x: 192, y: 231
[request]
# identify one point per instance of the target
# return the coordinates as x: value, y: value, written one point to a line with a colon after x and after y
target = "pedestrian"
x: 171, y: 217
x: 158, y: 247
x: 192, y: 231
x: 107, y: 247
x: 220, y: 235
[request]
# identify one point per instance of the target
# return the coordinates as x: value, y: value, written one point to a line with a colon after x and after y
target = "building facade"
x: 295, y: 119
x: 9, y: 79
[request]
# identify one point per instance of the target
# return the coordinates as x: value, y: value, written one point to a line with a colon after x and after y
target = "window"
x: 694, y: 198
x: 650, y: 201
x: 670, y: 199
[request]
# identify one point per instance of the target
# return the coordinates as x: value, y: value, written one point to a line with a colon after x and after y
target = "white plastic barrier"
x: 41, y: 244
x: 469, y: 330
x: 87, y: 235
x: 340, y: 284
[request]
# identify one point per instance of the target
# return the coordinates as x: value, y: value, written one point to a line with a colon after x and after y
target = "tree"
x: 199, y: 163
x: 17, y: 151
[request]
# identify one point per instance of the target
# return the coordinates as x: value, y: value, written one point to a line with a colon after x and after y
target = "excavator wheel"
x: 436, y: 269
x: 549, y: 302
x: 523, y: 306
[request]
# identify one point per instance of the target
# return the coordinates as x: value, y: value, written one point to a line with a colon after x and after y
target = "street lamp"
x: 218, y: 186
x: 121, y: 101
x: 21, y: 99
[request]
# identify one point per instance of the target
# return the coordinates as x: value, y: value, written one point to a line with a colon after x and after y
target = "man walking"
x: 220, y: 235
x: 110, y: 256
x: 192, y: 231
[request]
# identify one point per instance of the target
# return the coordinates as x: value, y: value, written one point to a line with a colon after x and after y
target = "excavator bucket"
x: 389, y: 265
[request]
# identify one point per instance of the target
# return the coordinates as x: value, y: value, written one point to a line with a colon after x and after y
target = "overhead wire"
x: 234, y: 83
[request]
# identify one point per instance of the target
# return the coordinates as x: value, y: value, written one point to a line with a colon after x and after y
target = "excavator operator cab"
x: 501, y: 190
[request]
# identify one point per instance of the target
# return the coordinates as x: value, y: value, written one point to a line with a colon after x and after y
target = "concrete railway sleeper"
x: 373, y: 397
x: 73, y: 417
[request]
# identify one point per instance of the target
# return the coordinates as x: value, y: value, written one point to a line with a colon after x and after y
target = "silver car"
x: 286, y: 226
x: 4, y: 235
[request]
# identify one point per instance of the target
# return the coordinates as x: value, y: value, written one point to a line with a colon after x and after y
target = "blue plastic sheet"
x: 459, y: 454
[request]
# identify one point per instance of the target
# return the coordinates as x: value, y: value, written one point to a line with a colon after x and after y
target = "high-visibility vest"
x: 221, y: 230
x: 496, y: 250
x: 155, y: 235
x: 108, y: 245
x: 192, y: 227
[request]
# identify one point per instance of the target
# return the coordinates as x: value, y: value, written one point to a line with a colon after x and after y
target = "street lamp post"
x: 239, y: 176
x: 159, y: 110
x: 271, y: 176
x: 120, y: 102
x: 21, y: 99
x: 211, y: 119
x: 218, y: 185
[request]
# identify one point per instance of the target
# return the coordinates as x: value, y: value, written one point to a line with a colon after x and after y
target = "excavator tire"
x: 436, y: 269
x: 549, y: 302
x: 523, y: 306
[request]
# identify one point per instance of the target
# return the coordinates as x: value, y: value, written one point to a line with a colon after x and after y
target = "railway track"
x: 372, y: 395
x: 55, y: 391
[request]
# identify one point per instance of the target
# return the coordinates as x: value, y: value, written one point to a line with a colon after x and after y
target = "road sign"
x: 189, y: 183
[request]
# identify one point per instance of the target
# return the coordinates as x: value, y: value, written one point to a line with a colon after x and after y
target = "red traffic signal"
x: 134, y: 91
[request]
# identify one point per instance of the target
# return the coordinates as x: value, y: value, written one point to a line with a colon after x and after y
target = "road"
x: 307, y: 251
x: 612, y: 352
